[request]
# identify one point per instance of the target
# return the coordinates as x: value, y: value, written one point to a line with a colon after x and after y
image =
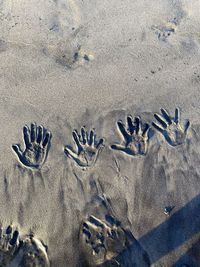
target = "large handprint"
x: 36, y: 141
x: 87, y: 148
x: 104, y: 239
x: 170, y: 127
x: 135, y: 138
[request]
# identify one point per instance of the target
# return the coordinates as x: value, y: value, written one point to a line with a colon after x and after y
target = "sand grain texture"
x: 87, y: 186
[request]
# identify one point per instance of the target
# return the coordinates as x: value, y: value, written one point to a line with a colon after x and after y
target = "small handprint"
x: 170, y: 127
x: 36, y: 141
x: 88, y: 148
x: 136, y: 138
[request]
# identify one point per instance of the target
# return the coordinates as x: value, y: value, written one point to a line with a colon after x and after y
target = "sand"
x: 90, y: 176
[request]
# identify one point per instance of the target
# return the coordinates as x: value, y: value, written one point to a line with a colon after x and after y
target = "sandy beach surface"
x: 99, y: 133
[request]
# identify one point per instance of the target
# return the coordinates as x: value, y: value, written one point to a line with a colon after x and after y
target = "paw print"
x: 36, y: 141
x: 88, y: 148
x: 135, y: 139
x: 171, y: 128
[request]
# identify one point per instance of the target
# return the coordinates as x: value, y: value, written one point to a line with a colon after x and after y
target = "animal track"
x: 36, y: 141
x: 88, y: 148
x: 136, y: 139
x: 170, y: 127
x: 105, y: 239
x: 21, y: 252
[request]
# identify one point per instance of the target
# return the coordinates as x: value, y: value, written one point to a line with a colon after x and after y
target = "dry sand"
x: 72, y: 64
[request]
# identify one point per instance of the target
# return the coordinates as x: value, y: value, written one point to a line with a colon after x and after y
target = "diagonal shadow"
x: 186, y: 258
x: 172, y: 233
x: 186, y: 261
x: 167, y: 236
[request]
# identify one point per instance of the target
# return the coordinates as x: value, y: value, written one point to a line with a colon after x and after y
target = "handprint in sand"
x: 135, y: 137
x: 36, y: 141
x: 105, y: 240
x: 9, y: 240
x: 18, y: 251
x: 170, y: 127
x: 88, y: 148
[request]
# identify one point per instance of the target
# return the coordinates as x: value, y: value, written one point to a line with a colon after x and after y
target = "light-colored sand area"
x: 93, y: 179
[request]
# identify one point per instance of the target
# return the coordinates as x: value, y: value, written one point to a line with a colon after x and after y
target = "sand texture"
x: 100, y: 133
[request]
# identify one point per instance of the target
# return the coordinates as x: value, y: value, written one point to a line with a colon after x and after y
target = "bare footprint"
x: 88, y: 148
x: 36, y: 141
x: 170, y: 127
